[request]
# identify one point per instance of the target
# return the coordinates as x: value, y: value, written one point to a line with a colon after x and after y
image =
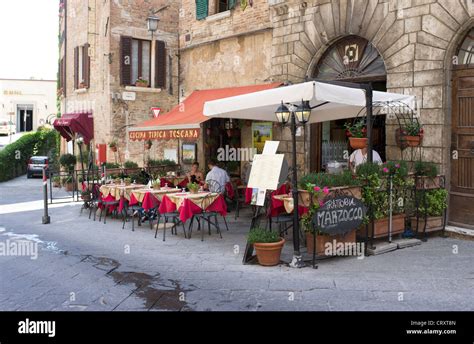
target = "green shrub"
x: 112, y: 165
x: 163, y: 162
x: 262, y: 236
x: 14, y: 157
x: 330, y: 180
x: 130, y: 164
x: 436, y: 202
x: 428, y: 169
x: 367, y: 169
x: 68, y: 161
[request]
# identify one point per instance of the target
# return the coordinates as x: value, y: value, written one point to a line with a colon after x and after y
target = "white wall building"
x: 27, y: 102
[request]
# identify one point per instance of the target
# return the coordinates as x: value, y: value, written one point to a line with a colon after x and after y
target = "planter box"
x: 321, y: 241
x: 428, y: 182
x: 305, y: 197
x: 381, y: 227
x: 433, y: 223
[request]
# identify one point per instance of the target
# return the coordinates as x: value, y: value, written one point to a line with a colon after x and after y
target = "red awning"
x: 73, y: 125
x: 184, y: 120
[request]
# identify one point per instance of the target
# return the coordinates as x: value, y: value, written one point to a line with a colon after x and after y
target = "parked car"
x: 7, y: 127
x: 36, y: 165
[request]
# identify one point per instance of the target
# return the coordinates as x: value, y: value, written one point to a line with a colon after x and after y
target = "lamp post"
x: 295, y: 115
x: 152, y: 24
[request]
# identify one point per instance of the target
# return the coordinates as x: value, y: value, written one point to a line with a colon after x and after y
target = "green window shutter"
x: 231, y: 4
x: 202, y: 9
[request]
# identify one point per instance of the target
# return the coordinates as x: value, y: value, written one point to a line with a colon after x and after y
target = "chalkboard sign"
x: 339, y: 215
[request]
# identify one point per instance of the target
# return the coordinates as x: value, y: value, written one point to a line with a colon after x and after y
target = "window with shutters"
x: 81, y: 67
x: 202, y: 9
x: 224, y: 5
x: 136, y: 63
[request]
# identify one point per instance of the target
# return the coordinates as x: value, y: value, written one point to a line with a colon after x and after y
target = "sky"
x: 29, y: 39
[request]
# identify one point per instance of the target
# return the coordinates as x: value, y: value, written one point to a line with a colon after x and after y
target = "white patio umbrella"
x: 329, y: 102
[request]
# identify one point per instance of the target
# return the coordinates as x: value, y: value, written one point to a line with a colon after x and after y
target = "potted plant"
x: 193, y: 188
x: 113, y: 146
x: 375, y: 196
x: 268, y: 246
x: 148, y: 144
x: 156, y: 184
x: 68, y: 161
x: 68, y: 185
x: 345, y: 183
x: 357, y: 134
x: 412, y: 133
x: 86, y: 196
x: 56, y: 181
x: 130, y: 165
x: 427, y: 175
x: 430, y: 210
x: 141, y: 82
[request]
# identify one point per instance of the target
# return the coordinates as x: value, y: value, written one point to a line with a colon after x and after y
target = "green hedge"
x: 14, y: 157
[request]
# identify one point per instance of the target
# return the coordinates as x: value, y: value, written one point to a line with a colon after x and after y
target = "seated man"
x: 218, y: 175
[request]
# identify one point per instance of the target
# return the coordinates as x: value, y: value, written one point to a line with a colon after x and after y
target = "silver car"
x: 36, y: 165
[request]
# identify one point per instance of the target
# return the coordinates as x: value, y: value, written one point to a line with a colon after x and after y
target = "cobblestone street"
x: 86, y: 265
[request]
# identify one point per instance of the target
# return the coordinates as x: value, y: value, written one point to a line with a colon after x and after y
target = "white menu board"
x: 266, y: 170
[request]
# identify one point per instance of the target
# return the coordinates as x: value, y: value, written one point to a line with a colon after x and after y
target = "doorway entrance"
x: 461, y: 209
x: 461, y: 206
x: 24, y: 118
x: 351, y: 59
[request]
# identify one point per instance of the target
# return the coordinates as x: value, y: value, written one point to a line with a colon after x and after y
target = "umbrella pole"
x: 297, y: 261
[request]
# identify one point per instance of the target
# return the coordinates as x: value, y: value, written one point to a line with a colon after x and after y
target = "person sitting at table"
x: 218, y: 175
x: 359, y: 157
x: 195, y: 176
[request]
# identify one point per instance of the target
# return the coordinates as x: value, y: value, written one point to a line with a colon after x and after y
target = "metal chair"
x: 174, y: 217
x: 285, y: 221
x: 128, y: 212
x: 207, y: 217
x: 106, y: 205
x: 215, y: 187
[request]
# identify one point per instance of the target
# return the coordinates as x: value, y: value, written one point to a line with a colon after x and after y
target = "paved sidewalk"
x: 86, y: 265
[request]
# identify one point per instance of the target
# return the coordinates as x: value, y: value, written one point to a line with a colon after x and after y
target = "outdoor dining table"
x: 118, y: 192
x: 150, y: 198
x: 288, y: 204
x: 180, y: 181
x: 189, y: 204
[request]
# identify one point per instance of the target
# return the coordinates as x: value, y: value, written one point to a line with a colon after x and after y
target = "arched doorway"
x: 461, y: 209
x: 351, y: 59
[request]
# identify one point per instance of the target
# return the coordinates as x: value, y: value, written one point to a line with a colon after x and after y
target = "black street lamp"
x: 295, y: 115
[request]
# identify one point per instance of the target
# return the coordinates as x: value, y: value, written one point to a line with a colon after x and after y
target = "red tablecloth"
x: 149, y: 201
x: 188, y: 208
x: 229, y: 188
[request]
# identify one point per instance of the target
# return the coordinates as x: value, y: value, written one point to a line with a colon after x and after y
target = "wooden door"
x: 461, y: 208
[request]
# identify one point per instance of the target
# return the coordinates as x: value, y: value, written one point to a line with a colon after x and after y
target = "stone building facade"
x: 100, y: 26
x: 277, y: 40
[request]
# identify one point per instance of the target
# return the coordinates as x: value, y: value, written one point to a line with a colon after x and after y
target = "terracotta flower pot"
x: 322, y: 240
x: 268, y: 254
x: 69, y: 187
x: 358, y: 142
x: 412, y: 141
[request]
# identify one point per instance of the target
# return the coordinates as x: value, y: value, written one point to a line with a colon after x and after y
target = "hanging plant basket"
x: 358, y: 142
x: 412, y: 141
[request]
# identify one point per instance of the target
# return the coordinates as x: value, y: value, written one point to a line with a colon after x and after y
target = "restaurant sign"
x: 183, y: 134
x: 339, y: 215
